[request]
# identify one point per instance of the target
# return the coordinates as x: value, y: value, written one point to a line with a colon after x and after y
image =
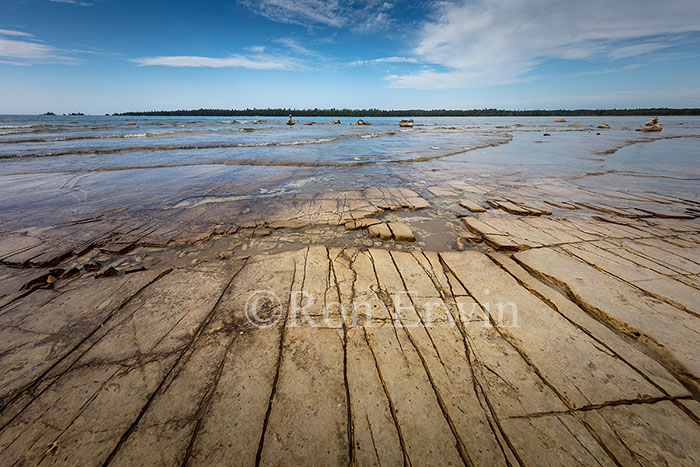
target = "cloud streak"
x: 21, y: 48
x: 10, y: 32
x: 375, y: 61
x: 73, y: 2
x: 251, y: 62
x: 363, y: 16
x: 491, y: 42
x: 302, y: 12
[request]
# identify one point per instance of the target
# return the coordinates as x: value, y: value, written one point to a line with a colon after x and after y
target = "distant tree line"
x: 409, y: 113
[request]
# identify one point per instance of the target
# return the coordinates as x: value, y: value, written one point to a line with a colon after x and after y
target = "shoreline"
x: 363, y: 113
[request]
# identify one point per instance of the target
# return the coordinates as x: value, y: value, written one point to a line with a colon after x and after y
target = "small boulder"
x: 406, y: 123
x: 334, y: 122
x: 363, y: 122
x: 604, y: 126
x: 652, y: 125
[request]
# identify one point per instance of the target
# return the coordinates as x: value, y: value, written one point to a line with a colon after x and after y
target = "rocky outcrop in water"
x: 406, y: 123
x: 363, y: 122
x: 604, y: 126
x: 652, y: 125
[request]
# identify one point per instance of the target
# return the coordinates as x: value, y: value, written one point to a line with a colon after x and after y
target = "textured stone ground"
x: 124, y: 340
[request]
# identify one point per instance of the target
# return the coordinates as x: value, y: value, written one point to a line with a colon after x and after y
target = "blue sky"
x: 99, y: 56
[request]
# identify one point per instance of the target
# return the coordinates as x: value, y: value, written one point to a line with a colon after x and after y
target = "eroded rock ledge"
x: 165, y: 367
x: 567, y: 334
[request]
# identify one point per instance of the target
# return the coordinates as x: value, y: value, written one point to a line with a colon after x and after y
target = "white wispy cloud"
x: 295, y: 46
x: 73, y: 2
x: 11, y: 32
x: 489, y: 42
x: 303, y: 12
x: 361, y: 16
x: 252, y: 62
x: 634, y: 50
x: 384, y: 60
x: 22, y: 48
x: 605, y: 71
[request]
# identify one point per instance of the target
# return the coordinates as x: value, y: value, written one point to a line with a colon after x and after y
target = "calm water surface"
x: 72, y: 166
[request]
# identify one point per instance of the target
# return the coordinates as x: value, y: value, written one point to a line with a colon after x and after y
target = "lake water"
x: 56, y: 167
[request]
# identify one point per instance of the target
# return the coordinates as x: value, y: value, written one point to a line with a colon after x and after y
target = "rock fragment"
x: 380, y: 230
x: 402, y: 232
x: 43, y: 280
x: 471, y: 205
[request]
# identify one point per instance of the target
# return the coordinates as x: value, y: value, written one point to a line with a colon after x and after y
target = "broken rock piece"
x: 42, y: 280
x: 471, y: 205
x: 380, y: 230
x: 396, y: 230
x: 402, y: 232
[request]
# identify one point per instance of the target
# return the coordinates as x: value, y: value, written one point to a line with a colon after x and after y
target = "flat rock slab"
x: 346, y: 356
x: 401, y: 232
x: 398, y: 231
x: 473, y: 206
x: 380, y: 230
x: 668, y: 331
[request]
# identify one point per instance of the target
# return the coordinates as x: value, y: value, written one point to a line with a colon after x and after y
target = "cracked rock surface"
x: 567, y: 340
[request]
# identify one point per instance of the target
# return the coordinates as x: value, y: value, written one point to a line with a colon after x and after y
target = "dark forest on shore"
x: 411, y: 113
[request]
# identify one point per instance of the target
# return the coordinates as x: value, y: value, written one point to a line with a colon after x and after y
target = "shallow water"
x: 58, y: 166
